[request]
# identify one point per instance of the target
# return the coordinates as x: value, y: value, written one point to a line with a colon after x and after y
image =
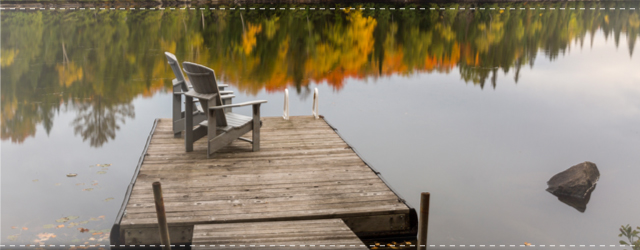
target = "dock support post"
x: 162, y: 217
x: 286, y: 105
x: 423, y: 223
x: 314, y: 110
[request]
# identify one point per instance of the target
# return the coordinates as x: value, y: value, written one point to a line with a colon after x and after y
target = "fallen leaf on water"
x: 83, y: 222
x: 36, y: 180
x: 94, y: 219
x: 79, y: 184
x: 87, y: 189
x: 92, y: 239
x: 57, y: 184
x: 82, y: 229
x: 73, y: 217
x: 48, y: 226
x: 72, y: 175
x: 98, y: 165
x: 94, y: 184
x: 527, y: 244
x: 102, y: 172
x: 60, y: 226
x: 107, y: 165
x: 101, y: 216
x: 72, y: 224
x: 97, y: 233
x: 108, y: 199
x: 14, y: 227
x: 62, y: 220
x: 25, y: 228
x: 44, y: 237
x: 13, y: 237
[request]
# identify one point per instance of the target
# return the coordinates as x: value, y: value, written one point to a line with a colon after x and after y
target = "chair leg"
x: 256, y: 128
x: 188, y: 120
x: 211, y: 128
x: 177, y: 114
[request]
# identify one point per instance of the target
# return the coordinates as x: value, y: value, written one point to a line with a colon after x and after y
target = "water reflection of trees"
x: 74, y: 58
x: 99, y: 122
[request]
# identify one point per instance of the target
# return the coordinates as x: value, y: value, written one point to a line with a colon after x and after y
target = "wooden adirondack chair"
x: 221, y: 127
x: 180, y: 86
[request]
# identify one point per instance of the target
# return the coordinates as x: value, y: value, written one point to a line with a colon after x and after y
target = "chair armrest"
x: 226, y: 92
x: 175, y: 81
x: 238, y: 104
x: 192, y: 93
x: 224, y: 97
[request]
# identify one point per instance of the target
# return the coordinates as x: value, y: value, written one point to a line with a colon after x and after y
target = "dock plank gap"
x: 303, y: 172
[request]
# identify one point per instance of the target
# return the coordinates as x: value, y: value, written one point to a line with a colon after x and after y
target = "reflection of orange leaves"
x: 68, y: 73
x: 249, y: 37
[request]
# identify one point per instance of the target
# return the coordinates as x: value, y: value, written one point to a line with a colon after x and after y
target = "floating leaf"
x: 107, y: 165
x: 102, y: 172
x: 94, y: 184
x: 60, y: 226
x: 57, y: 184
x: 72, y: 175
x: 87, y: 189
x: 13, y: 237
x: 108, y: 199
x: 83, y: 222
x: 14, y: 227
x: 36, y: 180
x: 79, y: 184
x: 48, y: 226
x: 94, y: 219
x: 83, y: 230
x: 527, y: 243
x: 25, y: 228
x: 73, y: 217
x: 105, y: 230
x: 75, y: 240
x: 72, y: 224
x: 98, y: 165
x: 62, y: 220
x: 101, y: 216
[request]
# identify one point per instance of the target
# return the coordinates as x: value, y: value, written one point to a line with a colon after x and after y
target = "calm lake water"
x: 478, y: 107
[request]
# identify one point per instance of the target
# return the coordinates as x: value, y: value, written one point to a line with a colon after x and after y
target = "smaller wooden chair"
x: 221, y: 127
x: 180, y: 86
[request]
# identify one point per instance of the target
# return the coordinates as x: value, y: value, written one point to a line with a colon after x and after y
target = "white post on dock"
x: 423, y: 222
x: 314, y: 110
x: 286, y: 105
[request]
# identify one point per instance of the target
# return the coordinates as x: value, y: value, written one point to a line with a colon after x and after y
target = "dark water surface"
x: 478, y: 107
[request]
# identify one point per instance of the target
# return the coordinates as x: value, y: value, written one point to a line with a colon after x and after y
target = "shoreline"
x: 161, y: 4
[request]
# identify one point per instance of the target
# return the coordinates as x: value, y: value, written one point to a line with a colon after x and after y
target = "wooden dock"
x: 329, y: 233
x: 304, y: 171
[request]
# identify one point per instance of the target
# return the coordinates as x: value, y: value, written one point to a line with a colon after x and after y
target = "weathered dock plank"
x: 303, y: 171
x: 329, y: 233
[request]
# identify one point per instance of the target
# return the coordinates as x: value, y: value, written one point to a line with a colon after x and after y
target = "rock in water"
x: 577, y: 181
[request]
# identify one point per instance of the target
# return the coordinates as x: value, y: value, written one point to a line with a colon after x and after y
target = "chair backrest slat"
x: 203, y: 80
x: 175, y: 66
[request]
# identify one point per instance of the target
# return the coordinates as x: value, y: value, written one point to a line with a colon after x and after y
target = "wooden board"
x: 328, y: 233
x: 303, y: 171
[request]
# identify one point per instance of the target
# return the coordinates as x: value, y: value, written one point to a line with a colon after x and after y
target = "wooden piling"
x: 423, y: 222
x: 162, y: 217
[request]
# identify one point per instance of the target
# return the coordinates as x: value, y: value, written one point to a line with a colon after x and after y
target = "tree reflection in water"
x: 98, y: 122
x: 74, y: 58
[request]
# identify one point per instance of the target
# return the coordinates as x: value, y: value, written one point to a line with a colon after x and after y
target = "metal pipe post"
x: 423, y: 223
x: 162, y: 217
